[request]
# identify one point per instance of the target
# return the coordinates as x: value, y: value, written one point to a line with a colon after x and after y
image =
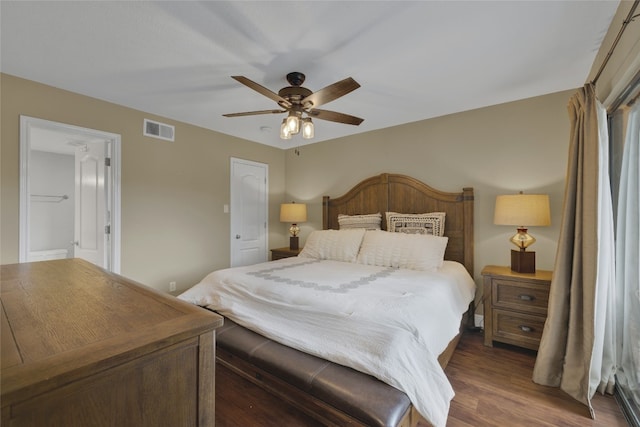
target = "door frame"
x: 113, y: 142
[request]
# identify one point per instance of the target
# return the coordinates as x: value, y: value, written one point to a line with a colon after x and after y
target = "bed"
x: 342, y: 331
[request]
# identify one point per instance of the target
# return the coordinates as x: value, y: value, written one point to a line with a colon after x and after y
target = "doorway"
x: 69, y: 193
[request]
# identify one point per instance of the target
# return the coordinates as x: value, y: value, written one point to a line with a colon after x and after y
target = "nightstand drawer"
x: 517, y: 295
x: 516, y: 328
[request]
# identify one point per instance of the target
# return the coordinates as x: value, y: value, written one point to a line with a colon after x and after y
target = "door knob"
x: 237, y: 236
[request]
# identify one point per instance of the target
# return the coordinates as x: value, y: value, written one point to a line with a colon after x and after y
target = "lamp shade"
x: 285, y: 133
x: 293, y: 123
x: 307, y: 128
x: 293, y: 212
x: 522, y: 210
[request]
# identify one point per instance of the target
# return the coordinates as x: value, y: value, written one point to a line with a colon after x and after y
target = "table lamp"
x: 522, y: 210
x: 294, y: 213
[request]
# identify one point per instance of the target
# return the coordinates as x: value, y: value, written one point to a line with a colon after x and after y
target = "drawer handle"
x: 525, y: 297
x: 524, y: 328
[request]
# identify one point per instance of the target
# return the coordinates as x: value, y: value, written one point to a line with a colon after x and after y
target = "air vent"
x: 158, y: 130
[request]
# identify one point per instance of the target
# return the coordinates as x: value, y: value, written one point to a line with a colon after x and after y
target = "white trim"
x: 478, y: 320
x: 25, y: 155
x: 116, y: 228
x: 26, y: 124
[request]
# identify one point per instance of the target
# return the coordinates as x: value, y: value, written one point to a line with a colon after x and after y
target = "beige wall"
x: 173, y: 225
x: 501, y: 149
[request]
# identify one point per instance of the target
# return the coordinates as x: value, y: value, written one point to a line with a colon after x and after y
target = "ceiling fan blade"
x: 262, y: 90
x: 331, y: 92
x: 254, y: 113
x: 333, y: 116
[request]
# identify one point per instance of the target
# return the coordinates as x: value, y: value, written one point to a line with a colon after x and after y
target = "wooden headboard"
x: 399, y: 193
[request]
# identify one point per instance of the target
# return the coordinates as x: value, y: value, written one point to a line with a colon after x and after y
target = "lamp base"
x: 523, y: 261
x: 293, y: 242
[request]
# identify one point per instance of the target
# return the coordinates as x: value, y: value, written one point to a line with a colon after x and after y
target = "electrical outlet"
x: 172, y: 286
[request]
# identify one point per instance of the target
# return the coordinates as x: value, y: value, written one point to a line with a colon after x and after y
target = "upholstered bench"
x: 331, y: 393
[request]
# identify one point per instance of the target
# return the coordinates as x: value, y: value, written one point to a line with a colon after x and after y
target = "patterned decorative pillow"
x: 426, y: 223
x: 368, y: 221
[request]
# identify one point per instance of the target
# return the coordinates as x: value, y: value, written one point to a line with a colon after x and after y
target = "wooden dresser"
x: 84, y: 347
x: 515, y: 306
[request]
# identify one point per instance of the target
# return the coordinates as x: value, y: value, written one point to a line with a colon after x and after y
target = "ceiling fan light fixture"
x: 307, y: 128
x: 284, y: 130
x: 299, y: 101
x: 293, y: 123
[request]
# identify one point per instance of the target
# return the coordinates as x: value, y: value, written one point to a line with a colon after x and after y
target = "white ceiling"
x: 415, y: 60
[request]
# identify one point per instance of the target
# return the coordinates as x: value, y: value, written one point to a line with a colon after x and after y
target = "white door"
x: 249, y: 201
x: 90, y: 238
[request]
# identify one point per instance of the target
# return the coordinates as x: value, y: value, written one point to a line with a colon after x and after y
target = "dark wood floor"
x: 493, y: 388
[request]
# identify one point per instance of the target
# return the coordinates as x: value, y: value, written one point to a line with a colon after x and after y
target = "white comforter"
x: 390, y: 323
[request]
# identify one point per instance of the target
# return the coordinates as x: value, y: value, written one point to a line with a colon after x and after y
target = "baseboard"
x: 478, y: 320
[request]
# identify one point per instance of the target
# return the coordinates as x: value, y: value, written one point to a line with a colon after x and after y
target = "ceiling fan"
x: 299, y: 101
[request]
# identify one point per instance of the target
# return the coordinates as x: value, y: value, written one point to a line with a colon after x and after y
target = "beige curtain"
x: 567, y: 348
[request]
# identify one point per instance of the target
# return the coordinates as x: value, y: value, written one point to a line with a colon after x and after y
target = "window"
x: 625, y: 185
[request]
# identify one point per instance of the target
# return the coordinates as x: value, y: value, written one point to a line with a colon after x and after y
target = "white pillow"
x: 337, y: 245
x: 402, y: 250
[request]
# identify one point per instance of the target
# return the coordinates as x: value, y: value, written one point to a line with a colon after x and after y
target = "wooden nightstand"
x: 284, y: 253
x: 515, y: 306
